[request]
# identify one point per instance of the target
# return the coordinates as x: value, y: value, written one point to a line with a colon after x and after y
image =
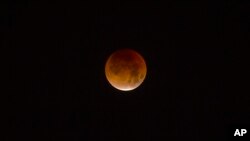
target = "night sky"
x: 55, y: 53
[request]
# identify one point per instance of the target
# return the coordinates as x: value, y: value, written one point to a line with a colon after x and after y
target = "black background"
x: 55, y: 54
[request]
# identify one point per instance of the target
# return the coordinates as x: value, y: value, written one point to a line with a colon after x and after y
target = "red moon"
x: 125, y: 69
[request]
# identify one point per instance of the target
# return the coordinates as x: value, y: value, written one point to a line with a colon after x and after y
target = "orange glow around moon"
x: 125, y: 69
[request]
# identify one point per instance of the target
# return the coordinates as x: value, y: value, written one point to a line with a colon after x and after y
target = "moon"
x: 125, y: 69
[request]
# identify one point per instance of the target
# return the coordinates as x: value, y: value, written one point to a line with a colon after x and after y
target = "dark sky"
x: 55, y: 53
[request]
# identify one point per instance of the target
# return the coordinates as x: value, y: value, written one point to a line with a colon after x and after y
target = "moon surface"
x: 125, y: 69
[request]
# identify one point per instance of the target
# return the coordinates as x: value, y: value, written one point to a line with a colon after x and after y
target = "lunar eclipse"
x: 125, y: 69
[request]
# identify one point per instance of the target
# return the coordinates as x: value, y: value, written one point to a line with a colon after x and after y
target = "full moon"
x: 125, y: 69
